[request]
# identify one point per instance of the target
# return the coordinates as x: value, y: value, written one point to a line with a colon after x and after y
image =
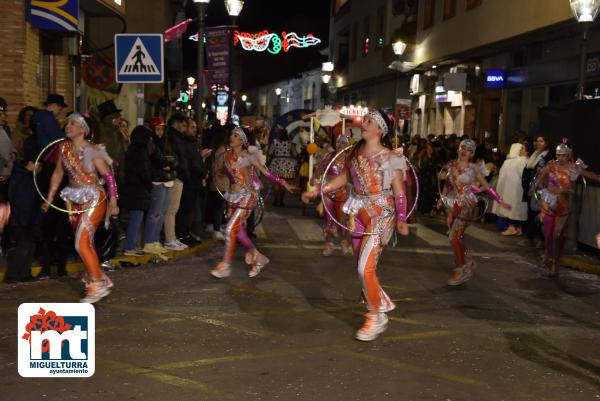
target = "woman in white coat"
x: 510, y: 189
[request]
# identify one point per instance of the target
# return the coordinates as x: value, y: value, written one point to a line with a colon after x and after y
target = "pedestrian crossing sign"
x: 139, y: 58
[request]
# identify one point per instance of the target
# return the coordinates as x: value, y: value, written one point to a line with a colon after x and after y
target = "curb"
x: 581, y: 265
x: 76, y: 267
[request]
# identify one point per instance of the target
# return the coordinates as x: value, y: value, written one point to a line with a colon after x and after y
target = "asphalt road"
x: 171, y: 332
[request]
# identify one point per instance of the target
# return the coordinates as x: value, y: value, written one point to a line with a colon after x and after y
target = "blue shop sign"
x: 495, y: 78
x: 53, y: 15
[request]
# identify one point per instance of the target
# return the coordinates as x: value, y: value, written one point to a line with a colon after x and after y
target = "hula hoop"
x: 323, y: 177
x: 480, y: 198
x: 69, y: 212
x: 547, y: 210
x: 260, y: 210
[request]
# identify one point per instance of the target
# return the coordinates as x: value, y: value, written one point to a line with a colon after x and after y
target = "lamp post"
x: 201, y: 6
x: 585, y: 11
x: 326, y: 75
x: 234, y: 8
x: 399, y: 47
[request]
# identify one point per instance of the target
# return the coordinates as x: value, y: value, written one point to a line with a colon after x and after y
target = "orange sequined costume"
x: 334, y: 201
x: 460, y: 202
x: 85, y: 192
x: 555, y: 208
x: 371, y: 207
x: 242, y: 197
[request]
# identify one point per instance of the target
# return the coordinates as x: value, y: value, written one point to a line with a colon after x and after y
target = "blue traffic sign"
x: 139, y: 58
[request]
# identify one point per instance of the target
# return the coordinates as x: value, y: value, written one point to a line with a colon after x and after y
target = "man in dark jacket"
x: 111, y: 136
x: 135, y: 194
x: 177, y: 126
x: 26, y: 216
x: 44, y: 122
x: 193, y: 183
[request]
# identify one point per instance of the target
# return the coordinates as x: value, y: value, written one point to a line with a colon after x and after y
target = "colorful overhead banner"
x: 56, y: 15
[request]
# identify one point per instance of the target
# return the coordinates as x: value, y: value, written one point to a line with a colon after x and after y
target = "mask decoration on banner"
x: 271, y: 42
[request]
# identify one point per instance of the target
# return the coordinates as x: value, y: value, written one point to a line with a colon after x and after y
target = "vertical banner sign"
x: 217, y: 54
x: 53, y: 15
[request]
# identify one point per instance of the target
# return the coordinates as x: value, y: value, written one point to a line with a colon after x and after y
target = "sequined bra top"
x: 240, y: 170
x: 558, y: 177
x: 79, y: 165
x: 460, y: 179
x: 374, y: 174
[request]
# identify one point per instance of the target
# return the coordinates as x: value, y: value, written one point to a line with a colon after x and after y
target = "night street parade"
x: 275, y: 200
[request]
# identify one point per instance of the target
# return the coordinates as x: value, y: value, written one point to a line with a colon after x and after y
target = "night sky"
x: 305, y: 16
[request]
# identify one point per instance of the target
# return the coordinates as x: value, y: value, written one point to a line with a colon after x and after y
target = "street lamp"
x: 399, y: 47
x: 234, y: 8
x: 585, y: 11
x: 328, y: 67
x: 278, y: 91
x: 326, y: 75
x: 201, y: 6
x: 244, y: 98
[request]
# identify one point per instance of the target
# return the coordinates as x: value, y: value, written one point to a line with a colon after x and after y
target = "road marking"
x: 238, y: 358
x: 419, y: 336
x: 199, y: 318
x: 424, y: 251
x: 306, y: 230
x: 406, y: 367
x: 408, y: 321
x: 486, y: 236
x: 160, y: 376
x: 430, y: 236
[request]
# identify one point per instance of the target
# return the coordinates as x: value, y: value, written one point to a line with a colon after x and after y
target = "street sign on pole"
x: 139, y: 58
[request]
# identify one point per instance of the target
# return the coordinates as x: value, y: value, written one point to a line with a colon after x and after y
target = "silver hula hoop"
x: 480, y: 198
x: 260, y: 210
x: 37, y: 161
x: 323, y: 177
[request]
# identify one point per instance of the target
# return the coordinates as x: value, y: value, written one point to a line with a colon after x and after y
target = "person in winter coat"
x: 187, y: 145
x: 163, y: 172
x: 510, y: 189
x: 135, y: 195
x: 176, y: 129
x: 26, y: 217
x: 542, y: 155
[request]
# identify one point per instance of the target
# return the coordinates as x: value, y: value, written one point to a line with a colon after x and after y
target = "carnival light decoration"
x: 271, y: 42
x: 356, y: 112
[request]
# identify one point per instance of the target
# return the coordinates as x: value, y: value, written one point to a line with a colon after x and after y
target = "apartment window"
x: 429, y: 14
x: 449, y: 9
x: 380, y: 27
x: 473, y: 3
x: 366, y: 36
x: 355, y: 41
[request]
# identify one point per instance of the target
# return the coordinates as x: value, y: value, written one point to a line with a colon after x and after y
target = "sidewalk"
x: 77, y: 266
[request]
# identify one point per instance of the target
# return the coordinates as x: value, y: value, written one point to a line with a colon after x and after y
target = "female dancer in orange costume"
x: 239, y: 163
x: 460, y: 201
x: 376, y: 204
x: 85, y: 193
x: 556, y: 180
x: 334, y: 202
